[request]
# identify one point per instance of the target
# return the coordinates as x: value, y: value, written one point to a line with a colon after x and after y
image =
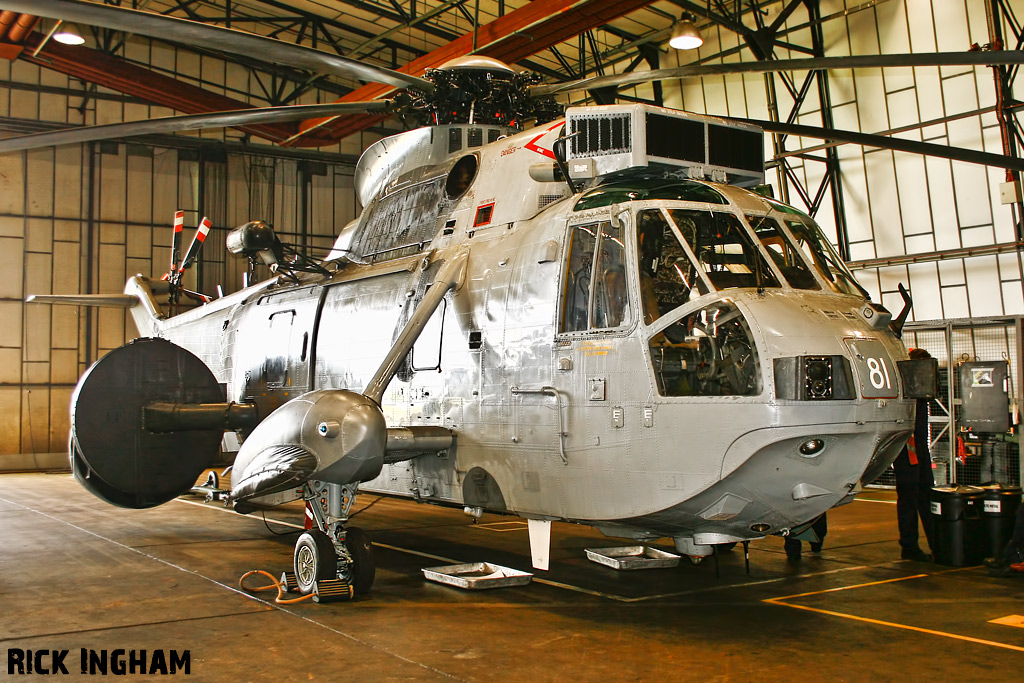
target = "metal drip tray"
x: 633, y: 557
x: 477, y: 576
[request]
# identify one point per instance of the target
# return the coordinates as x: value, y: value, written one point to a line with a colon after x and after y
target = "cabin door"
x: 592, y: 341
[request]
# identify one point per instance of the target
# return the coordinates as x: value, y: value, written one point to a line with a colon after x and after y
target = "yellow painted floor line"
x: 874, y: 500
x: 880, y: 622
x: 1011, y: 620
x: 846, y: 588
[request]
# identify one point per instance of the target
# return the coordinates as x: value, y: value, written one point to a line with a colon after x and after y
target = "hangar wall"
x: 897, y: 203
x: 57, y: 237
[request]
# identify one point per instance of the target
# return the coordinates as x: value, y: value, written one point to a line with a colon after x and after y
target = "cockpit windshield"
x: 668, y: 278
x: 724, y: 249
x: 786, y: 256
x: 716, y: 248
x: 818, y: 250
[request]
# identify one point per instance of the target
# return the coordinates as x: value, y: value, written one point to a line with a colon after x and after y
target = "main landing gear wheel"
x: 362, y: 569
x: 315, y: 559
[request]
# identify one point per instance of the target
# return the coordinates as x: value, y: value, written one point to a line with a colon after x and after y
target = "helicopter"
x: 593, y: 319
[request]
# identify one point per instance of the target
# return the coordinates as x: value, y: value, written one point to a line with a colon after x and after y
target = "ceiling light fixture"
x: 685, y: 35
x: 67, y: 35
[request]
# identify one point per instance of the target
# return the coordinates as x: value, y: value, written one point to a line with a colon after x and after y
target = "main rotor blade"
x: 172, y: 124
x: 885, y: 142
x: 977, y: 58
x: 213, y: 37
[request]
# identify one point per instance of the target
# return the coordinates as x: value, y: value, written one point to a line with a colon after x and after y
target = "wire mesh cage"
x: 959, y: 454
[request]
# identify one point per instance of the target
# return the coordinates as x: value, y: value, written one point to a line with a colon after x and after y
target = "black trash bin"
x: 999, y: 515
x: 959, y: 535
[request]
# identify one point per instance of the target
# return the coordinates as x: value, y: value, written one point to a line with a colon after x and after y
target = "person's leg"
x: 1014, y: 550
x: 906, y: 504
x: 792, y: 547
x: 820, y: 528
x: 925, y: 483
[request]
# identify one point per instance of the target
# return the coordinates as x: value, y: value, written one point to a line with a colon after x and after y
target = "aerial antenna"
x: 908, y: 303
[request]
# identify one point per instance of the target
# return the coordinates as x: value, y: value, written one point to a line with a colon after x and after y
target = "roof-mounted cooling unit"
x: 619, y: 139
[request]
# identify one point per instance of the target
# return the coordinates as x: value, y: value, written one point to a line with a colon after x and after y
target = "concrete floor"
x: 78, y: 573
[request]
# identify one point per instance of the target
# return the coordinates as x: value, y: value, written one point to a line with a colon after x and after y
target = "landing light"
x: 811, y: 447
x: 760, y: 528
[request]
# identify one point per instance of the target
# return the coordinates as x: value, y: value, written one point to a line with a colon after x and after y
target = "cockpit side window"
x: 724, y: 249
x: 709, y: 352
x: 578, y: 272
x: 786, y: 257
x: 668, y: 279
x: 611, y: 301
x: 594, y: 291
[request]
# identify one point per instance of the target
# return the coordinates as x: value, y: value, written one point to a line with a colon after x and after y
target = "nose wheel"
x: 350, y: 561
x: 314, y: 560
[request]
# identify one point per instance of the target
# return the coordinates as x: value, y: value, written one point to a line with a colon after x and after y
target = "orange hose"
x: 271, y: 586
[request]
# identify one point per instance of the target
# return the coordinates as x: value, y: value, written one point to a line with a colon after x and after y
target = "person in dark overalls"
x: 914, y: 482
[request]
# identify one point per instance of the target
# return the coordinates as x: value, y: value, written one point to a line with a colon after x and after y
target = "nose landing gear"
x: 332, y: 560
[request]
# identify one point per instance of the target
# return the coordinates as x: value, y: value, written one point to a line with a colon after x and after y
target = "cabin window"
x: 787, y: 258
x: 594, y: 293
x: 668, y: 278
x: 724, y: 249
x: 426, y: 352
x: 709, y: 352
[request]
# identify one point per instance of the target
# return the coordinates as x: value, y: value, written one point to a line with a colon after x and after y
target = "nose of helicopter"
x: 790, y: 478
x: 337, y: 436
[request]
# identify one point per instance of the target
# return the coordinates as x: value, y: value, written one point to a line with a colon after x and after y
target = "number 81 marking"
x: 879, y: 373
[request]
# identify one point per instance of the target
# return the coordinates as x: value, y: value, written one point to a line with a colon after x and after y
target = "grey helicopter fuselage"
x: 607, y: 356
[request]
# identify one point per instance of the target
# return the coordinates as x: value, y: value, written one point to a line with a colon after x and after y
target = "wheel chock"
x: 289, y: 582
x: 331, y: 590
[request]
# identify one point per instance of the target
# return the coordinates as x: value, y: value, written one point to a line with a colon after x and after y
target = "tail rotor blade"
x: 179, y: 223
x: 197, y: 243
x: 193, y: 249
